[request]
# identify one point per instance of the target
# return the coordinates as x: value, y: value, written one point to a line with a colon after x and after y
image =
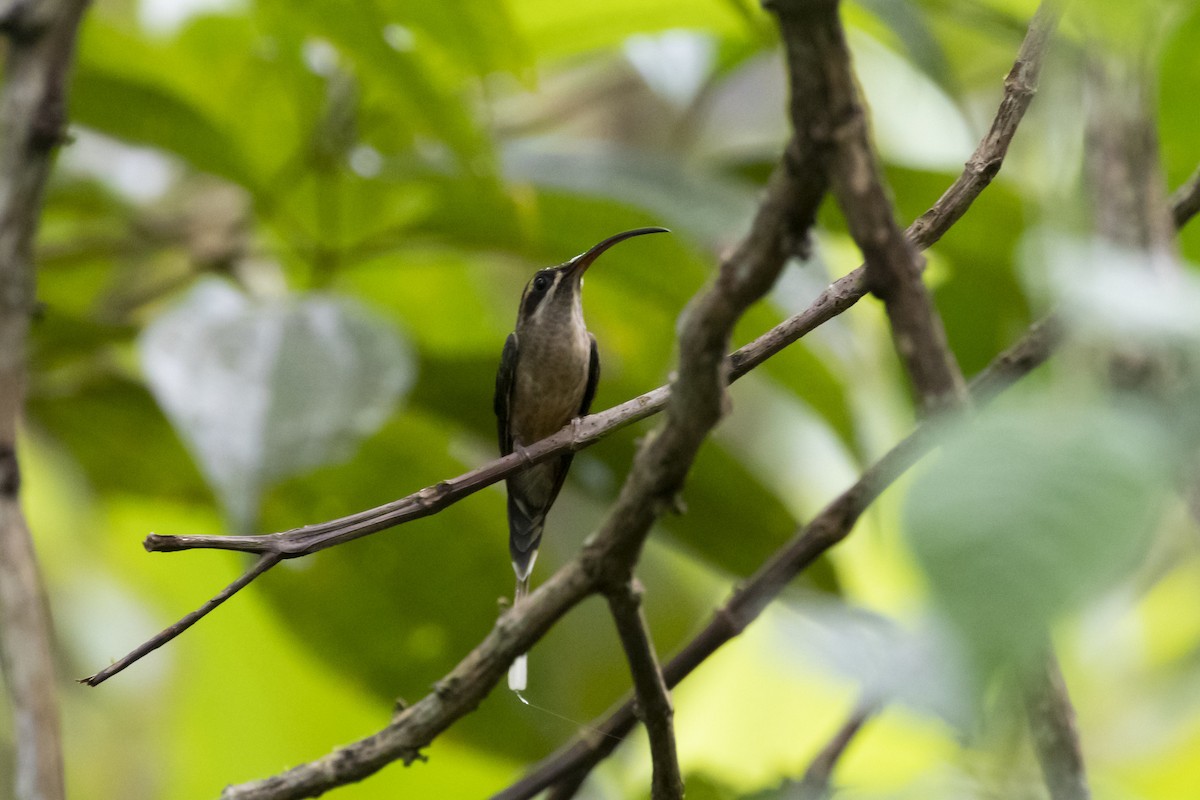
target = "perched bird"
x: 547, y: 377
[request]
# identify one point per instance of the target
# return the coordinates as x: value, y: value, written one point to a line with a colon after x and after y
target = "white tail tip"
x: 517, y: 674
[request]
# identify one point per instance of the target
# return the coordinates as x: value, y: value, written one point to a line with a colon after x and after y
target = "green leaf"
x: 264, y: 390
x: 416, y: 88
x: 145, y: 93
x: 102, y: 417
x: 140, y: 112
x: 478, y: 33
x: 1028, y: 513
x: 701, y: 206
x: 556, y: 30
x: 911, y: 28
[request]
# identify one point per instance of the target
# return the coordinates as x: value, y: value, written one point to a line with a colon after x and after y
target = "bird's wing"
x: 502, y: 403
x: 589, y: 391
x: 563, y: 463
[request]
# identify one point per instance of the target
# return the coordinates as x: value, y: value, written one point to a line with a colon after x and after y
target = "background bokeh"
x: 278, y: 262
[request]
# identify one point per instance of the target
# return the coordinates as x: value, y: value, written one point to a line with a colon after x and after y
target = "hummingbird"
x: 547, y: 377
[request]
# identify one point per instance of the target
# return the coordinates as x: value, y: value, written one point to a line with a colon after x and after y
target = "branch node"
x: 1018, y: 84
x: 520, y: 450
x: 446, y: 688
x: 576, y: 434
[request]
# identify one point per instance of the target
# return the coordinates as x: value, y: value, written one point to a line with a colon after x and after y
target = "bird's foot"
x: 524, y: 454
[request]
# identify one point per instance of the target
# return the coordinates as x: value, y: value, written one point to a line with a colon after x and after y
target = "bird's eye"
x: 540, y: 283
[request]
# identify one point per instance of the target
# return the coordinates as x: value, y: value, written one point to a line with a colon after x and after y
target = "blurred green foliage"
x: 399, y: 170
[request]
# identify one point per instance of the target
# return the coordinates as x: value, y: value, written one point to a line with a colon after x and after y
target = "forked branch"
x: 838, y: 297
x: 822, y: 532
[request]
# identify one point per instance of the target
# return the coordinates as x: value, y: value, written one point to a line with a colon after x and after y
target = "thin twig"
x: 984, y: 164
x: 816, y: 784
x: 261, y: 565
x: 579, y: 435
x: 1055, y: 736
x: 454, y: 696
x: 573, y: 761
x: 1185, y: 202
x: 39, y: 51
x: 653, y: 697
x: 893, y: 265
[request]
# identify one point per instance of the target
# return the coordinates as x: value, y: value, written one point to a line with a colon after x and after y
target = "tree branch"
x: 41, y: 40
x: 1055, y: 736
x: 1019, y: 89
x: 261, y: 565
x: 657, y: 472
x: 826, y: 529
x: 653, y: 707
x: 1185, y: 202
x: 893, y: 266
x: 817, y: 778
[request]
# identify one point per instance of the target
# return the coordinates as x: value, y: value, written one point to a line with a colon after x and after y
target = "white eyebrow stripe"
x: 547, y: 298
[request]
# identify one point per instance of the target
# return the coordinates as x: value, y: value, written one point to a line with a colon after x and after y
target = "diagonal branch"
x: 893, y: 266
x: 1185, y: 201
x: 261, y: 565
x: 1055, y: 735
x: 1020, y: 87
x: 654, y: 707
x: 824, y: 531
x: 817, y: 778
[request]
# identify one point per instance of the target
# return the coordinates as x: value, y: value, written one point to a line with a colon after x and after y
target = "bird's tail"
x: 518, y: 672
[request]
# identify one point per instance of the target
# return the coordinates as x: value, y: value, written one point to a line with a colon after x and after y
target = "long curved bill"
x: 579, y: 264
